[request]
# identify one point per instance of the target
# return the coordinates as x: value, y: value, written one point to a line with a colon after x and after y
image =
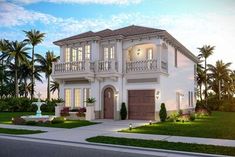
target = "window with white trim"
x: 80, y: 54
x: 77, y: 97
x: 112, y: 52
x: 67, y: 96
x: 106, y: 53
x: 87, y: 52
x: 74, y: 54
x: 149, y: 54
x: 67, y: 54
x: 176, y: 58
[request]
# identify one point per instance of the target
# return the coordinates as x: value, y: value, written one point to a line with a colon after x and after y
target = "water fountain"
x: 38, y: 116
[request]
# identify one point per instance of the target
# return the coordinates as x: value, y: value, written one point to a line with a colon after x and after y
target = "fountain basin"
x: 41, y: 118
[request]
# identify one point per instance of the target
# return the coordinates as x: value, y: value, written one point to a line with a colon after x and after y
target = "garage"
x: 141, y: 104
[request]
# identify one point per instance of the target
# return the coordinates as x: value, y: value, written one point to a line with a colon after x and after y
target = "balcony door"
x: 149, y: 57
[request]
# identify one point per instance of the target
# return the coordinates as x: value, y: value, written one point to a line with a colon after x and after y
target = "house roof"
x: 126, y: 31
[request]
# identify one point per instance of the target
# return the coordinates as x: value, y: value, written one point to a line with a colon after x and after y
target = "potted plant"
x: 90, y: 101
x: 59, y: 102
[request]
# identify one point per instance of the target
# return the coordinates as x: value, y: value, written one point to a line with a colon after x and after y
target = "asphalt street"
x: 17, y: 148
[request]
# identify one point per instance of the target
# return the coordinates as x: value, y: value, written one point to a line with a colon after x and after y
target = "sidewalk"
x: 110, y: 128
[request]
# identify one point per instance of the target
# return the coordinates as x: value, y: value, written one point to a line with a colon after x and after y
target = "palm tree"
x: 205, y: 52
x: 220, y: 74
x: 200, y: 79
x: 46, y: 67
x: 55, y: 86
x: 18, y: 52
x: 34, y: 37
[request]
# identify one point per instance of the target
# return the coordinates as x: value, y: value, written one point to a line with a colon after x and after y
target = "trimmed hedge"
x: 24, y: 105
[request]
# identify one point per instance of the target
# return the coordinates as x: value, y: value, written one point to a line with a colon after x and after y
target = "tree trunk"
x: 48, y: 88
x: 219, y: 90
x: 200, y: 91
x: 58, y: 93
x: 32, y: 90
x: 25, y: 87
x: 205, y: 84
x: 16, y: 78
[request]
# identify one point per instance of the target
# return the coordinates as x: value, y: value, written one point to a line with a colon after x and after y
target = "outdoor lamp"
x: 150, y: 122
x: 130, y: 126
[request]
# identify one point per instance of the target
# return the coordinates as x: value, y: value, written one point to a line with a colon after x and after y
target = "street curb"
x: 119, y: 146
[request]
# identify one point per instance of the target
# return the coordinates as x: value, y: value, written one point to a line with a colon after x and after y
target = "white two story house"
x: 140, y: 66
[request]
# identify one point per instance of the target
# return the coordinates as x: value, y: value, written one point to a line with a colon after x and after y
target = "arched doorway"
x: 108, y: 103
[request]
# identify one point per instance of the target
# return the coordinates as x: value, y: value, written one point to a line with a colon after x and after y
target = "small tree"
x: 162, y: 113
x: 123, y: 111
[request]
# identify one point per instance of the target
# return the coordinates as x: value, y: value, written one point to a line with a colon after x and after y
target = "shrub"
x: 123, y: 111
x: 57, y: 120
x: 81, y: 112
x: 64, y: 112
x: 24, y: 105
x: 192, y: 117
x: 31, y: 123
x: 173, y: 117
x: 163, y: 113
x: 201, y: 113
x: 18, y: 121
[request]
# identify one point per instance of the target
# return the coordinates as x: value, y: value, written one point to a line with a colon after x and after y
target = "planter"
x: 58, y: 110
x: 90, y: 112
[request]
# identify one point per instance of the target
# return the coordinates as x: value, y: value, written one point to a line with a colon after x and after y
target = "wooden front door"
x: 108, y: 103
x: 141, y: 104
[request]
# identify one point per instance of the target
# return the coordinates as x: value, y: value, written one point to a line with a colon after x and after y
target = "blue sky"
x: 193, y: 22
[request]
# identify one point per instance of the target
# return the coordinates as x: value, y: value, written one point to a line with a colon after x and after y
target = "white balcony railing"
x: 107, y: 66
x: 85, y: 66
x: 141, y: 66
x: 78, y: 66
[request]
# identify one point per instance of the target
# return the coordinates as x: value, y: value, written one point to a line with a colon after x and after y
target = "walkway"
x: 110, y: 128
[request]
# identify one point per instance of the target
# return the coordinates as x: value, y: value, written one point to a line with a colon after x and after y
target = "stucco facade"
x: 142, y: 62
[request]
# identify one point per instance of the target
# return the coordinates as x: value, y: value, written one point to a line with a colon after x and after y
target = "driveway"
x: 105, y: 128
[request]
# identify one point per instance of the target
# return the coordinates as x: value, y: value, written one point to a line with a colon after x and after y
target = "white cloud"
x: 103, y: 2
x: 14, y: 15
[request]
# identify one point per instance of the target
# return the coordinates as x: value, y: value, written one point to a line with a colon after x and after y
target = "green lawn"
x: 210, y: 149
x: 218, y: 125
x: 19, y: 131
x: 5, y: 118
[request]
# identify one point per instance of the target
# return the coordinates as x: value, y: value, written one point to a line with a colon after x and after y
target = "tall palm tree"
x: 205, y: 52
x: 46, y: 67
x: 220, y: 74
x: 55, y: 86
x: 18, y: 52
x: 34, y: 37
x: 200, y: 79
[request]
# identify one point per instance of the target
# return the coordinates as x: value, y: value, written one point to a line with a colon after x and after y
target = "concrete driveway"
x: 105, y: 128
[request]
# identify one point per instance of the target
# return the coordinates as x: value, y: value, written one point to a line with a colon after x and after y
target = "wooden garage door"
x: 141, y: 104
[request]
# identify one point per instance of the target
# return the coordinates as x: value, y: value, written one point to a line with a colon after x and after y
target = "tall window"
x: 87, y: 52
x: 149, y: 54
x: 86, y: 94
x: 77, y: 97
x: 176, y: 60
x: 79, y: 53
x: 74, y: 54
x: 190, y: 98
x: 106, y: 53
x: 67, y: 97
x: 67, y: 54
x: 112, y: 52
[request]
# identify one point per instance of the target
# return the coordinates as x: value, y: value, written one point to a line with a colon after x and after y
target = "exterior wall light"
x: 130, y: 126
x: 157, y: 95
x: 116, y: 94
x: 138, y: 52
